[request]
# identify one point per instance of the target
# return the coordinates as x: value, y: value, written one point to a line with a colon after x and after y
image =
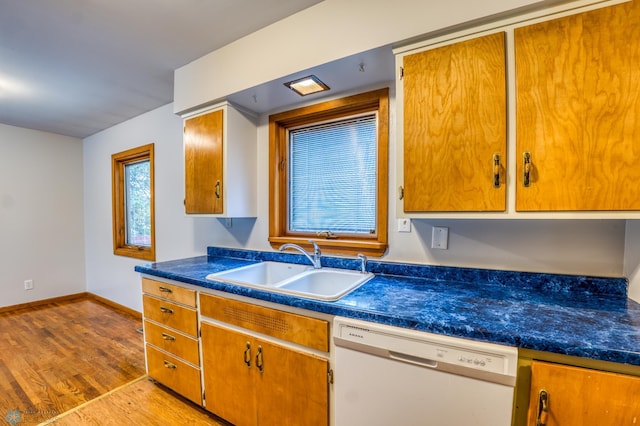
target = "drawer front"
x: 174, y: 373
x: 170, y: 292
x: 310, y: 332
x: 171, y: 315
x: 177, y: 344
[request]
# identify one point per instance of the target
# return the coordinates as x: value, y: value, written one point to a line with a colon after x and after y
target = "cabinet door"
x: 228, y: 380
x: 292, y: 388
x: 578, y: 111
x: 203, y: 138
x: 583, y: 397
x: 454, y: 124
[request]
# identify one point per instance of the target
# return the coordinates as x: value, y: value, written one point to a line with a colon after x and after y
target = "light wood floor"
x: 80, y: 362
x: 139, y: 403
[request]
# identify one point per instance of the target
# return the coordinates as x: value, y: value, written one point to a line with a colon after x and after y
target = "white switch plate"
x: 440, y: 237
x: 404, y: 225
x: 28, y: 284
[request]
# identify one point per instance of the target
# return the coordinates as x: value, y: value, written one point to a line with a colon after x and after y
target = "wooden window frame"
x: 374, y: 101
x: 118, y: 163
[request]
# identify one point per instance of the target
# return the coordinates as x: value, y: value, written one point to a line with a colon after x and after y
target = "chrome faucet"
x: 317, y: 255
x: 363, y: 263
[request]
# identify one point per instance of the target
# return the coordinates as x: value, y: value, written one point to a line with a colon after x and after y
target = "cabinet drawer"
x: 170, y: 292
x: 310, y: 332
x: 169, y: 314
x: 174, y: 373
x: 177, y: 344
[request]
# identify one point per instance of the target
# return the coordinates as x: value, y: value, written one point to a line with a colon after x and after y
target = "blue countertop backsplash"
x: 583, y: 316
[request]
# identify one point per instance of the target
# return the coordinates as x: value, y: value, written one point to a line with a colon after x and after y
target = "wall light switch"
x: 440, y: 237
x: 404, y: 224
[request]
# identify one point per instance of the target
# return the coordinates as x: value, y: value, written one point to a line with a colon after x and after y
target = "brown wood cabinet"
x: 562, y: 395
x: 203, y: 163
x: 254, y: 381
x: 220, y: 163
x: 578, y: 112
x: 455, y: 135
x: 171, y: 337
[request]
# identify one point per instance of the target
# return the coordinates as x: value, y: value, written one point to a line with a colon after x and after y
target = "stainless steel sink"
x: 289, y: 278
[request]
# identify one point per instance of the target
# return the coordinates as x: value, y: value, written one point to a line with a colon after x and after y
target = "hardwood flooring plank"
x: 57, y: 356
x: 141, y: 403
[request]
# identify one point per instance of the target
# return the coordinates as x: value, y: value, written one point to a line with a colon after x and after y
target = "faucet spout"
x: 314, y: 258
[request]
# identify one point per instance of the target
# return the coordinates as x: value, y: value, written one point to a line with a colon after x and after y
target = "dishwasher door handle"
x: 415, y: 360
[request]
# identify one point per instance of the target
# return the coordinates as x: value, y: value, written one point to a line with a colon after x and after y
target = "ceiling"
x: 75, y: 67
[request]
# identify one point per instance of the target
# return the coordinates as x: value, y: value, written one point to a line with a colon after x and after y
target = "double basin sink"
x: 289, y: 278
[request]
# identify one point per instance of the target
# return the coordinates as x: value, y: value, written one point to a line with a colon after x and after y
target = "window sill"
x: 334, y: 246
x: 135, y: 252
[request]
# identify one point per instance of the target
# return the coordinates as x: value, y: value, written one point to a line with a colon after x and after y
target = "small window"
x: 133, y: 206
x: 329, y: 174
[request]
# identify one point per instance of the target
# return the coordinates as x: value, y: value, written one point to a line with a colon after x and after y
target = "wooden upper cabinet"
x: 220, y: 163
x: 578, y: 111
x: 562, y: 395
x: 454, y: 126
x: 203, y: 163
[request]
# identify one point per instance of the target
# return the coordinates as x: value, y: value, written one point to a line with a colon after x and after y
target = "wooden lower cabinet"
x: 170, y: 323
x: 251, y: 381
x: 578, y: 396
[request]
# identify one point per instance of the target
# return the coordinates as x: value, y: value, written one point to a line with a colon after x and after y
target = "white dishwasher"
x: 387, y: 375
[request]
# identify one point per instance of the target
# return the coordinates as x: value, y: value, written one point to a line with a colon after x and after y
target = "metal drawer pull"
x: 496, y: 171
x: 543, y: 408
x: 165, y: 290
x: 166, y: 336
x: 166, y: 310
x: 526, y: 158
x: 168, y: 364
x: 260, y: 360
x: 247, y: 355
x: 218, y: 190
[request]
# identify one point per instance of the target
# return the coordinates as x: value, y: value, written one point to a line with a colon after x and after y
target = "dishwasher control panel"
x: 425, y: 349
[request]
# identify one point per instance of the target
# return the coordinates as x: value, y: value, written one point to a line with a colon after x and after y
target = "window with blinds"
x: 328, y: 175
x: 332, y: 177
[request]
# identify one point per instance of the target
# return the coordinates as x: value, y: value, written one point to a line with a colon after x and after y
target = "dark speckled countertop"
x: 574, y: 315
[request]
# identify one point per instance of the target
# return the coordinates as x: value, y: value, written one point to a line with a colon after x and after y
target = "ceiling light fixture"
x: 307, y: 85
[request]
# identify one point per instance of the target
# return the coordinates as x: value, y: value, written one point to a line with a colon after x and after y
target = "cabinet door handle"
x: 165, y: 290
x: 260, y: 360
x: 166, y: 310
x: 169, y: 337
x: 543, y: 407
x: 218, y: 189
x: 247, y: 355
x: 496, y: 171
x: 168, y: 364
x: 526, y: 169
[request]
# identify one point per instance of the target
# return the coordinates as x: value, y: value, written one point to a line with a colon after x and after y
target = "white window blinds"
x: 332, y: 180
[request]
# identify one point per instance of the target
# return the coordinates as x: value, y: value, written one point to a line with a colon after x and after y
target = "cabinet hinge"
x: 401, y: 73
x: 203, y: 398
x: 400, y: 193
x: 330, y: 377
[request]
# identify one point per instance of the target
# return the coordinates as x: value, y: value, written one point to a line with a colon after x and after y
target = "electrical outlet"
x: 28, y: 284
x: 440, y: 238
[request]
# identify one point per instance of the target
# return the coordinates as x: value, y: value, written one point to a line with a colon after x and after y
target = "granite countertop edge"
x: 589, y: 317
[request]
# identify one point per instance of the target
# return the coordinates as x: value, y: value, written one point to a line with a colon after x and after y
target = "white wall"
x: 177, y: 236
x: 632, y: 258
x: 592, y: 247
x: 41, y: 215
